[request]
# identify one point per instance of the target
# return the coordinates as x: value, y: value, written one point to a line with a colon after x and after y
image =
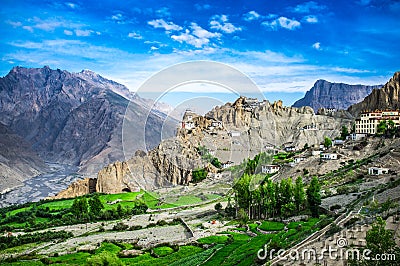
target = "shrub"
x: 161, y: 222
x: 104, y: 258
x: 120, y: 227
x: 335, y: 207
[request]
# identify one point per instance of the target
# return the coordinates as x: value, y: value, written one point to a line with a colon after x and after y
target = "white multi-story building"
x: 368, y: 122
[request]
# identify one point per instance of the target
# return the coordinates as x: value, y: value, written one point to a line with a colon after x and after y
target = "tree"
x: 327, y: 142
x: 120, y: 211
x: 299, y: 193
x: 344, y: 133
x: 391, y: 128
x: 95, y: 205
x: 216, y: 162
x: 243, y: 217
x: 314, y: 196
x: 381, y: 241
x: 79, y: 208
x: 288, y: 209
x: 382, y: 127
x: 199, y: 175
x: 218, y: 206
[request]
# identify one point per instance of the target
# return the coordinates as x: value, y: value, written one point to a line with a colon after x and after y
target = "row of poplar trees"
x: 275, y: 199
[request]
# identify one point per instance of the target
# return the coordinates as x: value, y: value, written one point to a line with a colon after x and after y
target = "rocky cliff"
x: 76, y: 118
x: 388, y: 97
x: 262, y: 124
x: 17, y: 160
x: 325, y: 94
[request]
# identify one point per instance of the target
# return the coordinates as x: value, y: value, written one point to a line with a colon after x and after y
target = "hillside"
x: 388, y: 97
x: 325, y: 94
x: 17, y: 160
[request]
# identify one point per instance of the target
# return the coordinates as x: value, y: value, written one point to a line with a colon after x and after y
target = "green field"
x: 271, y: 226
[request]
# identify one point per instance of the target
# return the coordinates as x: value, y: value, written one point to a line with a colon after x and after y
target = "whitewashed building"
x: 357, y: 136
x: 329, y: 156
x: 378, y: 171
x: 299, y: 159
x: 270, y: 168
x: 316, y: 153
x: 234, y: 133
x: 227, y: 164
x: 188, y: 125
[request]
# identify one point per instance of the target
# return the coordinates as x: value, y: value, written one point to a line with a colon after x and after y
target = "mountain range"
x: 76, y: 118
x: 339, y: 96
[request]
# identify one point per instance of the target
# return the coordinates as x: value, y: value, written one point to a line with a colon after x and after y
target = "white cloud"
x: 310, y: 19
x: 200, y: 7
x: 197, y: 36
x: 251, y: 15
x: 15, y: 24
x: 307, y: 7
x: 135, y: 35
x: 202, y: 33
x: 220, y: 22
x: 190, y: 39
x: 168, y: 26
x: 282, y: 22
x: 28, y: 28
x: 68, y: 32
x: 317, y: 46
x: 49, y: 24
x: 154, y: 48
x: 163, y: 12
x: 83, y: 33
x: 71, y: 5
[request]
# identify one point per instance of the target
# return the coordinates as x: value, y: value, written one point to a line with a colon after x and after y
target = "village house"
x: 378, y: 171
x: 316, y: 152
x: 338, y: 142
x: 329, y: 156
x: 269, y: 146
x: 269, y: 168
x: 357, y: 136
x: 216, y: 124
x: 234, y: 133
x: 227, y: 164
x: 188, y: 125
x: 290, y: 148
x: 310, y: 127
x: 299, y: 159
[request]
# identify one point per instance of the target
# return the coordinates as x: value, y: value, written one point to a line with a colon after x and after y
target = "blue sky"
x: 284, y: 46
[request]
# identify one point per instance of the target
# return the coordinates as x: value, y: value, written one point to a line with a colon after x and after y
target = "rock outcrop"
x: 78, y: 188
x: 388, y: 97
x: 18, y: 161
x: 325, y: 94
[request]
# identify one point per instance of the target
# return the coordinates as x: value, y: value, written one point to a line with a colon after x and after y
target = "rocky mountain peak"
x: 387, y: 97
x: 325, y: 94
